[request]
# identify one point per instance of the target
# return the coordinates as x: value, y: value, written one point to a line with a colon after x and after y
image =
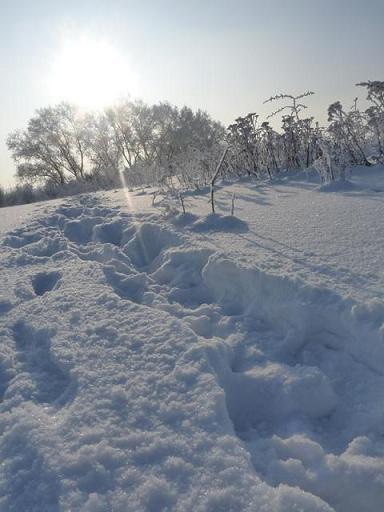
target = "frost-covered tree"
x: 102, y: 151
x: 154, y: 140
x: 52, y: 147
x: 375, y: 114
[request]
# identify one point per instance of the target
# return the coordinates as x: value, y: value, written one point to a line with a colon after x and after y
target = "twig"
x: 214, y: 178
x: 181, y: 198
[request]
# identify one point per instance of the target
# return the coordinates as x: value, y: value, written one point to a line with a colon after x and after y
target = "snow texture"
x: 199, y: 362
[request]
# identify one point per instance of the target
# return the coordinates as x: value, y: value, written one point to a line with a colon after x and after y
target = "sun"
x: 91, y: 73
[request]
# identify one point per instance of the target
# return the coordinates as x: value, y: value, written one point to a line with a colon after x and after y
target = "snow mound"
x: 216, y: 222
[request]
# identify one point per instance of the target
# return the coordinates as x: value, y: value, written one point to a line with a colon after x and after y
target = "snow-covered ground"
x: 155, y: 362
x: 16, y: 216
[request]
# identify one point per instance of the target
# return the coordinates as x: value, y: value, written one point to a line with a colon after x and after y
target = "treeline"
x: 64, y: 150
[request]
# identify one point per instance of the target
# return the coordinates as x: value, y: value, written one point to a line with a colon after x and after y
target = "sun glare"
x: 91, y: 73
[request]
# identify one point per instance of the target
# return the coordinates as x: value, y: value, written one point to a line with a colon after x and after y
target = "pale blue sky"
x: 225, y: 56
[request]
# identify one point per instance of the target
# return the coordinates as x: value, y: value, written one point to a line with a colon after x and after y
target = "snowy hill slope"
x: 196, y: 362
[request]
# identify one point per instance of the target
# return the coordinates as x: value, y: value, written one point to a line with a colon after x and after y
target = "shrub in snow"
x: 375, y: 115
x: 348, y: 131
x: 333, y: 161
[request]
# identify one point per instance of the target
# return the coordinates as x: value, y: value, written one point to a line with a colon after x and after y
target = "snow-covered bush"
x: 375, y: 116
x: 259, y: 150
x: 332, y: 162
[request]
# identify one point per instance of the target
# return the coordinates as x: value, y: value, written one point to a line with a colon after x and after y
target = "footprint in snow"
x: 34, y: 352
x: 44, y: 282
